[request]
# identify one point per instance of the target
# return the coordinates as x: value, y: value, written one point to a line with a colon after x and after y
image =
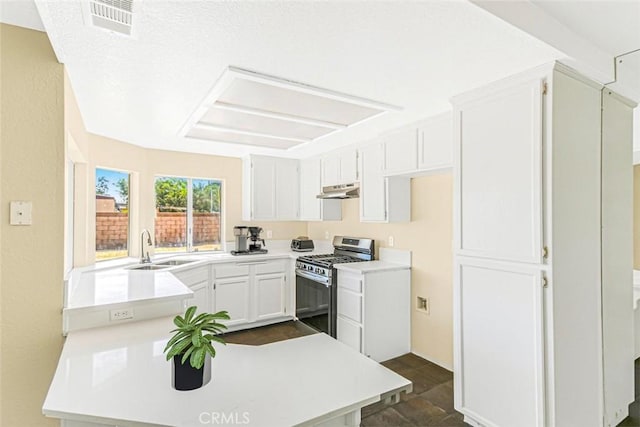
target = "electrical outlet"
x: 326, y: 235
x: 423, y: 305
x: 269, y: 234
x: 121, y: 314
x: 390, y: 241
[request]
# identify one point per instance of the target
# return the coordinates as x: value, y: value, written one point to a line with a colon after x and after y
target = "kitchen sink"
x: 149, y: 267
x: 172, y: 262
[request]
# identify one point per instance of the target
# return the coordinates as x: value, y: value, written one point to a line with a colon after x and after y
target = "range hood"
x: 342, y: 191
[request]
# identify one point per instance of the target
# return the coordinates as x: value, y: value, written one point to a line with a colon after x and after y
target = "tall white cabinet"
x: 542, y: 248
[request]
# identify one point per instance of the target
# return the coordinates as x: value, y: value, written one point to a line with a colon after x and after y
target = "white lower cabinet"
x: 269, y: 292
x: 374, y: 312
x: 349, y: 333
x: 198, y: 279
x: 253, y: 293
x: 232, y: 295
x: 501, y: 341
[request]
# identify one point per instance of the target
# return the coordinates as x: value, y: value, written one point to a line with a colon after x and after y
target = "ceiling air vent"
x: 111, y: 15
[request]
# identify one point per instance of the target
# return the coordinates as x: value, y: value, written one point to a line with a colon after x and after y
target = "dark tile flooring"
x: 430, y: 403
x: 633, y: 420
x: 268, y: 334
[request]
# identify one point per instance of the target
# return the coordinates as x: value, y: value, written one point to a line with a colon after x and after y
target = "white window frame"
x: 189, y: 243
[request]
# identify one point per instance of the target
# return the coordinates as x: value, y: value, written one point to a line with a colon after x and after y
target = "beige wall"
x: 429, y: 237
x: 31, y: 168
x: 145, y: 164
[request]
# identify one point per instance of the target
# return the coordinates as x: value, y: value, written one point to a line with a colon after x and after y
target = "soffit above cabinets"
x: 249, y: 108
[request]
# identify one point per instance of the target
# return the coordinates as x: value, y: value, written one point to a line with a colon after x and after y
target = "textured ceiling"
x: 408, y: 53
x: 22, y: 13
x: 613, y: 25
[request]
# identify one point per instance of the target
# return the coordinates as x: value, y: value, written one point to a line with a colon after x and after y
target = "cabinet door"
x: 232, y: 295
x: 372, y: 188
x: 286, y: 189
x: 401, y: 151
x: 350, y: 305
x: 269, y: 295
x: 435, y: 149
x: 330, y: 170
x: 499, y: 175
x: 349, y: 333
x: 310, y: 187
x: 201, y: 297
x: 348, y: 166
x: 263, y: 182
x: 499, y: 359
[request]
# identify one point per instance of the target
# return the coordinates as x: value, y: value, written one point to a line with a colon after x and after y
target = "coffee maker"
x: 248, y: 241
x: 256, y: 245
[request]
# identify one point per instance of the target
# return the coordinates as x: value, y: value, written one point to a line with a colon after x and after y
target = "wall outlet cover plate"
x: 21, y: 213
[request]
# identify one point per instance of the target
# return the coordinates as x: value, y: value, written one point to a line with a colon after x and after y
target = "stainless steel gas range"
x: 316, y: 281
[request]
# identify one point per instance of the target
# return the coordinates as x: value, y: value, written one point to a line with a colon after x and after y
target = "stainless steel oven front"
x: 316, y: 300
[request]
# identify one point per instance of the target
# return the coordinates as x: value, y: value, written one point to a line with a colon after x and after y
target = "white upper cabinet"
x: 349, y: 166
x: 340, y: 167
x: 286, y: 189
x: 312, y: 208
x: 382, y: 199
x: 373, y: 203
x: 270, y: 189
x: 400, y: 151
x: 262, y: 188
x: 435, y: 143
x: 506, y: 222
x: 422, y: 147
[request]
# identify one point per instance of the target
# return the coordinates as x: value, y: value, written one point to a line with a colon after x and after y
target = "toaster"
x: 302, y: 244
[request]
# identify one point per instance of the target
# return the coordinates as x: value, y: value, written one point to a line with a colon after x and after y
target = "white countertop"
x: 121, y: 285
x: 371, y: 266
x: 119, y: 373
x: 112, y: 282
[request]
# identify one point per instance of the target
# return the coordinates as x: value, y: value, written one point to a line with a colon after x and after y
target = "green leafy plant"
x: 193, y: 336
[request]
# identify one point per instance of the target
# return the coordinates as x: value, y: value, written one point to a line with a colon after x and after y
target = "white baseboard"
x: 446, y: 366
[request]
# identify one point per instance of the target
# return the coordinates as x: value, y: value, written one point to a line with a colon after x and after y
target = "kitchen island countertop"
x: 119, y: 374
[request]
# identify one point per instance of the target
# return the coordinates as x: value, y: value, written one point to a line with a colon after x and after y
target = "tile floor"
x: 633, y: 420
x: 430, y: 404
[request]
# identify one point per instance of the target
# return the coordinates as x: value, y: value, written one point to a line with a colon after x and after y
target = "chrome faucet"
x: 145, y: 259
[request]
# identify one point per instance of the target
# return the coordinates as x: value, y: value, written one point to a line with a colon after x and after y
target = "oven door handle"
x: 315, y: 278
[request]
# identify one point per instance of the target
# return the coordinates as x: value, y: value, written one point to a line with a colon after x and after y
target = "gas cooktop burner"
x: 327, y: 260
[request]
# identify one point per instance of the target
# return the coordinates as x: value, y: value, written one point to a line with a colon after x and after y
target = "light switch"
x: 20, y: 213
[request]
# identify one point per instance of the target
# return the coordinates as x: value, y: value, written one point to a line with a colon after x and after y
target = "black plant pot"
x: 186, y: 377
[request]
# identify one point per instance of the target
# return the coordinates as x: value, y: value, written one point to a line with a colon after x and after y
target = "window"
x: 187, y: 215
x: 112, y: 214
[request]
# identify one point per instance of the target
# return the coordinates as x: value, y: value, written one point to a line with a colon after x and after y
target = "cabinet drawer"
x: 350, y: 305
x: 193, y: 275
x: 231, y: 270
x: 349, y: 333
x: 277, y: 266
x: 352, y: 282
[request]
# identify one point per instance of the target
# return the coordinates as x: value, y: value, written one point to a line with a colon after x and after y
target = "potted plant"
x: 192, y: 341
